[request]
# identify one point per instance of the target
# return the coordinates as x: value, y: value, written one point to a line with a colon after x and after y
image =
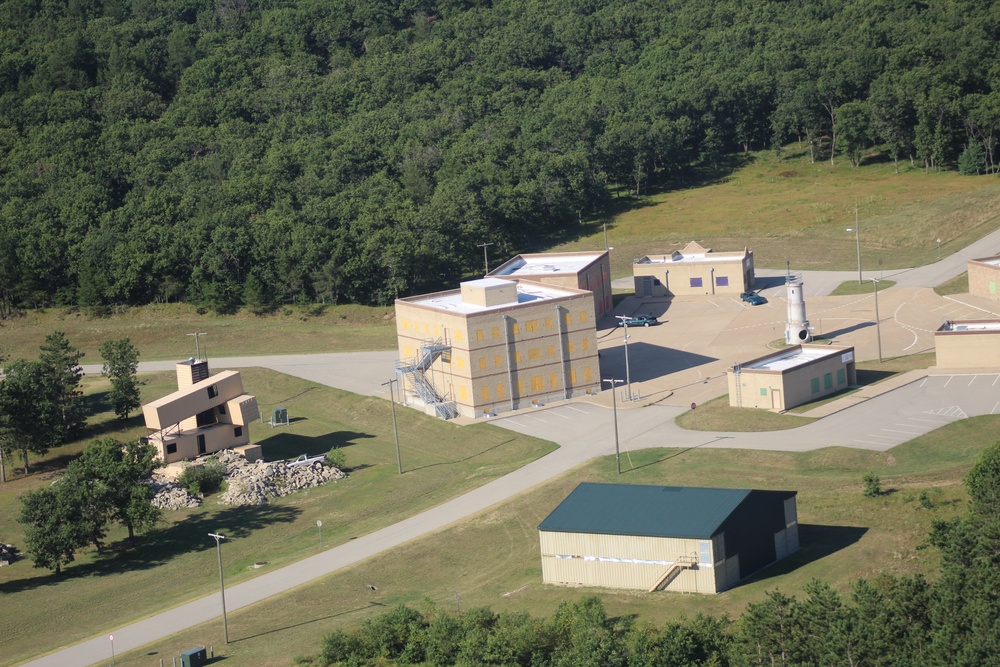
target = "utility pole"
x: 614, y: 404
x: 878, y: 322
x: 486, y: 259
x: 628, y: 376
x: 222, y: 586
x: 606, y: 246
x: 857, y: 240
x: 197, y: 343
x: 395, y: 431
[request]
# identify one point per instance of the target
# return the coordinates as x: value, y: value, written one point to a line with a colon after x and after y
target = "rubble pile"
x: 258, y: 482
x: 169, y: 496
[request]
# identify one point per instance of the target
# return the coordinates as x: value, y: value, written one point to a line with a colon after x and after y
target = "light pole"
x: 606, y: 246
x: 486, y: 259
x: 878, y: 323
x: 197, y: 343
x: 614, y: 404
x: 395, y: 431
x: 939, y: 247
x: 857, y: 240
x: 628, y: 377
x: 222, y: 585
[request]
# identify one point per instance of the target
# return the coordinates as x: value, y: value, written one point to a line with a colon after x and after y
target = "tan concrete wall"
x: 675, y: 277
x: 967, y: 349
x: 771, y: 389
x: 984, y: 279
x: 496, y: 364
x: 217, y: 438
x: 583, y: 566
x: 182, y: 404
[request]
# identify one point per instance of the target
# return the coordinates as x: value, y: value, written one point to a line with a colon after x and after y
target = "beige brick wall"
x: 967, y: 349
x: 675, y: 277
x: 984, y: 279
x: 772, y: 389
x: 538, y: 353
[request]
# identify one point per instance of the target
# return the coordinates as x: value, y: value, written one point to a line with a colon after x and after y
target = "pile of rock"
x: 247, y: 483
x: 169, y: 496
x: 258, y: 482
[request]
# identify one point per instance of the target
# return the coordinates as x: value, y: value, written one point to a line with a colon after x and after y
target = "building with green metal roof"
x: 688, y: 539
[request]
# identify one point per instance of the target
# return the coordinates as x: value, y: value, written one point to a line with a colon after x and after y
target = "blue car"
x: 753, y: 299
x: 638, y: 321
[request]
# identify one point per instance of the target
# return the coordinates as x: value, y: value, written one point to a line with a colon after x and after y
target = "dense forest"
x: 257, y: 152
x: 883, y: 622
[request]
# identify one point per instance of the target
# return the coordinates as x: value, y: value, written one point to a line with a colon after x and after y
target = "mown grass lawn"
x: 783, y: 207
x: 493, y: 560
x: 176, y: 562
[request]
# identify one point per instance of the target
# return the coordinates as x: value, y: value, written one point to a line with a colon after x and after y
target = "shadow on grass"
x: 816, y: 541
x: 463, y: 460
x: 674, y: 454
x: 162, y: 545
x: 289, y: 445
x: 314, y: 620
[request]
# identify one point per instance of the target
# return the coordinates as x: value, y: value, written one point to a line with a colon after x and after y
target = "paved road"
x: 583, y: 432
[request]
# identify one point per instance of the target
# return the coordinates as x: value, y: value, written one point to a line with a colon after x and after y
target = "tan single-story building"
x: 683, y: 539
x: 578, y: 270
x: 968, y: 344
x: 496, y: 345
x: 984, y: 275
x: 792, y: 376
x: 693, y: 270
x: 205, y: 415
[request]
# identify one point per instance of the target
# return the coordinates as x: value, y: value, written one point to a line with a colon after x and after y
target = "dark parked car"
x: 638, y: 320
x: 752, y: 298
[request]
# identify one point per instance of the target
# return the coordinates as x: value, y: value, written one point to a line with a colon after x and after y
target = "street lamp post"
x: 222, y: 584
x: 939, y: 247
x: 486, y: 259
x: 614, y: 404
x: 857, y: 241
x: 878, y: 322
x: 395, y: 431
x: 628, y: 377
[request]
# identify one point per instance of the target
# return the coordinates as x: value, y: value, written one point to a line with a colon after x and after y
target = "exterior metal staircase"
x: 682, y: 563
x: 413, y: 373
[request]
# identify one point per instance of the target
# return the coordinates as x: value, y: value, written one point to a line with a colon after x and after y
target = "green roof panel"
x: 650, y: 511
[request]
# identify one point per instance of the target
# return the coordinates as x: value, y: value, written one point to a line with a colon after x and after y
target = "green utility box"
x: 195, y: 657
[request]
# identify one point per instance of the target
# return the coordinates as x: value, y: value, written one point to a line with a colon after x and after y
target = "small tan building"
x: 206, y: 414
x: 684, y: 539
x: 496, y: 345
x: 578, y: 270
x: 791, y: 377
x: 693, y: 270
x: 968, y: 344
x: 984, y: 275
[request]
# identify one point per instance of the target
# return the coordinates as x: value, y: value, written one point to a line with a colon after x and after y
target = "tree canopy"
x: 233, y: 153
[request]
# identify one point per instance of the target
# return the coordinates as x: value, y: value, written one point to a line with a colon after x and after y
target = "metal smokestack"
x: 797, y: 328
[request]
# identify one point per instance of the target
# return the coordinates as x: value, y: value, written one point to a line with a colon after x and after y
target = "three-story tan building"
x: 496, y: 345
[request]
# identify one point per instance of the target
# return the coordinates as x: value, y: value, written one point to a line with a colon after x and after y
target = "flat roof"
x: 794, y: 357
x: 971, y: 325
x: 992, y: 261
x: 552, y: 263
x: 678, y: 257
x: 527, y: 293
x: 649, y: 511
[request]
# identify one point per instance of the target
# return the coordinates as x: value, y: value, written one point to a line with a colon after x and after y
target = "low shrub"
x: 203, y: 479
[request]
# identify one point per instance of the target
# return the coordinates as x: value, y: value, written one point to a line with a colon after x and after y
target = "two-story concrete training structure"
x: 693, y: 270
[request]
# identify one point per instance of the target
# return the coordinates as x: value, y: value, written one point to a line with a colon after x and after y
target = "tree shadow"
x: 112, y: 425
x: 816, y: 541
x: 161, y: 545
x: 289, y: 445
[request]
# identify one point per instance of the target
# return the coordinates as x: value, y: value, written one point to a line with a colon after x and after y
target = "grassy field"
x: 175, y: 563
x: 788, y: 208
x: 852, y: 287
x: 957, y: 285
x: 159, y: 331
x: 492, y: 559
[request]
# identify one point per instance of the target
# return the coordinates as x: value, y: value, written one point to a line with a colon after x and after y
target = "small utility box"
x: 279, y: 417
x: 195, y: 657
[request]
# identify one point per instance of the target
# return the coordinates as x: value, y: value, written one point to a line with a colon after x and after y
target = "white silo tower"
x: 797, y: 328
